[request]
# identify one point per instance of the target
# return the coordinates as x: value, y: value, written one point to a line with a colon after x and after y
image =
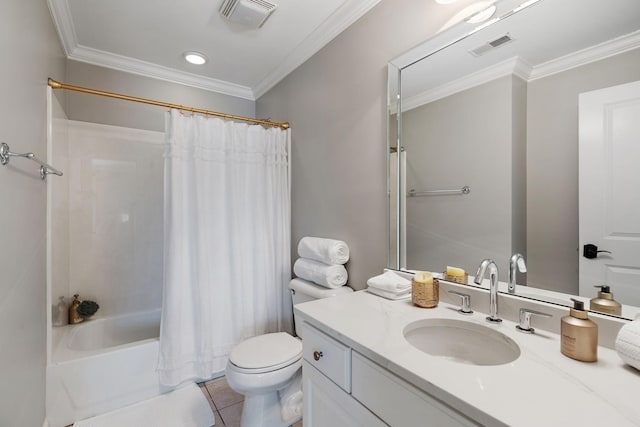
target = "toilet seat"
x: 266, y: 353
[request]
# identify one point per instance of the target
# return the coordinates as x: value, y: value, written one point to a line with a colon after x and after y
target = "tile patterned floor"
x: 225, y: 403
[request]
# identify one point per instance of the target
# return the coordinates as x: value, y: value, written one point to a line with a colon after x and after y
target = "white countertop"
x: 540, y: 388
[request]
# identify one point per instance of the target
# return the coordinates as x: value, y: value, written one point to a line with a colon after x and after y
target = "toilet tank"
x: 303, y: 291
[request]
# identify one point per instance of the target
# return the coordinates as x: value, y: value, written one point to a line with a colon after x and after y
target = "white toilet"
x: 267, y: 369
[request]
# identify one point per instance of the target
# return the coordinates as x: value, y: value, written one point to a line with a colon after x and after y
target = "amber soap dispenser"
x: 579, y: 334
x: 604, y: 302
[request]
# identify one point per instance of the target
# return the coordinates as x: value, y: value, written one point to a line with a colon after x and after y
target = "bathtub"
x: 101, y: 365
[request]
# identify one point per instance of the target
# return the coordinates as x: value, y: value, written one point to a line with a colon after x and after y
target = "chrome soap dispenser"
x: 604, y: 302
x: 579, y: 334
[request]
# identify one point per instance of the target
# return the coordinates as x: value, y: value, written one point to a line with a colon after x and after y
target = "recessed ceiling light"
x: 469, y: 12
x: 195, y: 58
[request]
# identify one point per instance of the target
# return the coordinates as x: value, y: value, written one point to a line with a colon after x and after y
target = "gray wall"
x: 552, y: 167
x: 98, y: 109
x: 336, y: 103
x: 31, y: 51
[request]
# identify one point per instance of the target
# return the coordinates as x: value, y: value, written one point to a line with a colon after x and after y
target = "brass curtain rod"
x: 58, y: 85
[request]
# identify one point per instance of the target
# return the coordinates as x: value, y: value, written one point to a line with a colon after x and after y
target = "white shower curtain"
x: 227, y: 241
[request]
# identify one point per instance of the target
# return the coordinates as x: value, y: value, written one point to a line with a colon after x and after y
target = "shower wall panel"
x: 109, y: 228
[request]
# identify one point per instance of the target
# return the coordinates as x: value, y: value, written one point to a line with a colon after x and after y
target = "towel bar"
x: 45, y: 169
x: 464, y: 190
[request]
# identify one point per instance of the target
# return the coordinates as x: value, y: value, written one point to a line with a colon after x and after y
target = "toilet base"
x: 263, y: 410
x: 268, y: 395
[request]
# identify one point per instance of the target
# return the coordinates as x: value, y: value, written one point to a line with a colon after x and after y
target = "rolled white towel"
x: 389, y: 282
x: 330, y: 276
x: 328, y: 251
x: 628, y: 343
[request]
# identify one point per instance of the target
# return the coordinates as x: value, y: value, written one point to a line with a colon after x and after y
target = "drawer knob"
x: 317, y: 355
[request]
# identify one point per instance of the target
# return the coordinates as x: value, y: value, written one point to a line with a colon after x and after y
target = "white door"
x: 609, y: 195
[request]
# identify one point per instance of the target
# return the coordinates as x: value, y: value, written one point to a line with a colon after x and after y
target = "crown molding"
x: 148, y: 69
x: 340, y: 20
x: 512, y: 66
x: 61, y: 15
x: 586, y: 56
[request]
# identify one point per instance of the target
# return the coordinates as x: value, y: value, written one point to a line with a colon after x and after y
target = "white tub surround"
x: 541, y: 387
x: 101, y: 365
x: 106, y: 216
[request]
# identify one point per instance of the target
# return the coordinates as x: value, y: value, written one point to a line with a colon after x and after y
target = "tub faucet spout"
x: 517, y: 261
x: 493, y: 287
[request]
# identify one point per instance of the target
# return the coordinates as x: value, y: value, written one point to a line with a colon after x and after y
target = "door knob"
x: 591, y: 251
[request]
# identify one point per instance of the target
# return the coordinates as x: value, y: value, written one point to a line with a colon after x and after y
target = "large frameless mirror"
x: 519, y: 134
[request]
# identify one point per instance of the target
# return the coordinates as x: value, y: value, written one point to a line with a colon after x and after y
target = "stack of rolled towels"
x: 322, y: 261
x: 389, y: 285
x: 628, y: 344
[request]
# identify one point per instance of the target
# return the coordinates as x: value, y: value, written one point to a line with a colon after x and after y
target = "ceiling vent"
x: 251, y: 13
x: 488, y: 46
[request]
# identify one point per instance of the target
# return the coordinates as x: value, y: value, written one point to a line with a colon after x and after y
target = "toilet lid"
x: 266, y: 351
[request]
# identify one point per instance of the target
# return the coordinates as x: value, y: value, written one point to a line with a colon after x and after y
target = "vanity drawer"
x: 401, y: 403
x: 329, y: 356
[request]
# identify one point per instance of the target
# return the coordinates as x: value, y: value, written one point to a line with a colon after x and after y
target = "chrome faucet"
x: 493, y: 289
x: 517, y: 260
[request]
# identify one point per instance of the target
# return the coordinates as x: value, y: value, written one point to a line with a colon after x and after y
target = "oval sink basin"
x: 462, y: 342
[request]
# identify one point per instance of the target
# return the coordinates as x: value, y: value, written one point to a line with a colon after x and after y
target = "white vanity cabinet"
x: 369, y: 373
x: 343, y: 388
x: 326, y: 384
x: 327, y: 405
x: 396, y: 401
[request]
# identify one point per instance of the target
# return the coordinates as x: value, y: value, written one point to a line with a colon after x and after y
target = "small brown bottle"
x: 579, y: 334
x: 74, y: 316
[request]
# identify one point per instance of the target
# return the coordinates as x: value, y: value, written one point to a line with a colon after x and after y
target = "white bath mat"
x: 183, y: 407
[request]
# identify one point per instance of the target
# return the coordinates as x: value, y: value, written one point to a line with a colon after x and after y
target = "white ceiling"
x: 148, y: 37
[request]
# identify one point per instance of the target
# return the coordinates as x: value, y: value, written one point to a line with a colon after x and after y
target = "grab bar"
x: 45, y: 169
x: 464, y: 190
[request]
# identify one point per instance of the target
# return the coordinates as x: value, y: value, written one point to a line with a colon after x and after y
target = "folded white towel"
x: 628, y: 343
x: 390, y: 295
x: 389, y: 282
x: 330, y: 276
x: 328, y: 251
